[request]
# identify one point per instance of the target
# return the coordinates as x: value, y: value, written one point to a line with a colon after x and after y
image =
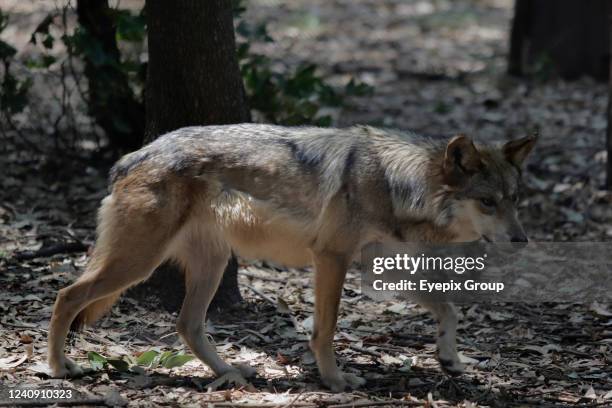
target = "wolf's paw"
x: 234, y: 377
x: 342, y: 381
x: 451, y: 364
x: 66, y: 369
x: 246, y: 370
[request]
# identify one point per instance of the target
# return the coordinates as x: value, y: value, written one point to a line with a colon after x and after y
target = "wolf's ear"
x: 517, y: 150
x: 461, y: 159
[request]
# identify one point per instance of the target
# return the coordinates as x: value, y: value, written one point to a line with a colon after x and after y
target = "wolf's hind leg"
x: 133, y: 236
x: 446, y: 344
x: 107, y: 275
x: 330, y: 271
x: 204, y: 257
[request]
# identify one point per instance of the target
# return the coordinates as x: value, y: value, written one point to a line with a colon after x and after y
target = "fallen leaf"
x: 12, y: 361
x: 590, y: 393
x: 26, y: 339
x: 600, y: 309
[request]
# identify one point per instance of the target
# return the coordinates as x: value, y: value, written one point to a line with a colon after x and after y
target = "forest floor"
x: 435, y: 67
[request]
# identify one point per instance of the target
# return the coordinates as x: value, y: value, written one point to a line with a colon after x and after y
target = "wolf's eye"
x: 487, y: 202
x: 514, y: 198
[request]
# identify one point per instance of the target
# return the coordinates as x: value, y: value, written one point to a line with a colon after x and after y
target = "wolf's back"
x: 244, y: 145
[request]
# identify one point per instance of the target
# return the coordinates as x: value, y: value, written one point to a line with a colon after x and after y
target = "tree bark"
x: 193, y: 79
x: 566, y: 36
x: 108, y: 84
x: 609, y: 133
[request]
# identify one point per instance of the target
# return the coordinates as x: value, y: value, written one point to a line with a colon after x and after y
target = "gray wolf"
x: 297, y: 196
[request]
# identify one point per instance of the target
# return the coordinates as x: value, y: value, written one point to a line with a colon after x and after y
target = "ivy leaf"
x: 6, y: 50
x: 147, y: 358
x: 130, y: 27
x: 96, y: 360
x: 177, y: 360
x: 118, y: 364
x: 48, y: 41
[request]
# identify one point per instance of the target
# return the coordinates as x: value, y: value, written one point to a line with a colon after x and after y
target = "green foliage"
x: 296, y: 97
x: 150, y: 358
x: 176, y: 360
x: 146, y: 358
x: 42, y: 34
x: 292, y: 96
x: 83, y: 44
x: 130, y: 27
x: 13, y: 90
x: 97, y: 361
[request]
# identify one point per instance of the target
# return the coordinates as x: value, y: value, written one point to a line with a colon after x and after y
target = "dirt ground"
x: 436, y: 67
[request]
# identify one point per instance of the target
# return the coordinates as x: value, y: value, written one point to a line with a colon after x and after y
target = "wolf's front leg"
x: 329, y: 279
x: 446, y: 344
x: 204, y: 261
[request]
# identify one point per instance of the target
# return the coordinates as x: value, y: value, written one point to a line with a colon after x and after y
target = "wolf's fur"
x: 297, y: 196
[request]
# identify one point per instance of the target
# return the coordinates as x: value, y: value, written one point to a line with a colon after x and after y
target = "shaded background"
x: 437, y: 67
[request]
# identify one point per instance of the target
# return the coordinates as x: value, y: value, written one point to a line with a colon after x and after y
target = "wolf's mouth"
x: 486, y: 238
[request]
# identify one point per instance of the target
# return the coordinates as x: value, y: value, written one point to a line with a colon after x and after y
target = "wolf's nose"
x: 519, y: 239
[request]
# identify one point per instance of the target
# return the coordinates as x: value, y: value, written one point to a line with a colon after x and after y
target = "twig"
x: 268, y: 299
x: 259, y: 405
x: 262, y: 295
x: 21, y: 135
x: 172, y: 333
x: 557, y: 404
x: 45, y: 403
x: 292, y: 403
x: 257, y: 334
x: 63, y: 248
x: 264, y: 278
x: 376, y: 403
x: 23, y: 325
x: 365, y: 351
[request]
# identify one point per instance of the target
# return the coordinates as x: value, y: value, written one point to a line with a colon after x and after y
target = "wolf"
x: 294, y: 195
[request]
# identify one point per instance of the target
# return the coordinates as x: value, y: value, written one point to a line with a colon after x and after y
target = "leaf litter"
x: 436, y: 67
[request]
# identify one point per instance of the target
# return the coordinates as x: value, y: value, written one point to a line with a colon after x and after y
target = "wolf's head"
x: 483, y: 183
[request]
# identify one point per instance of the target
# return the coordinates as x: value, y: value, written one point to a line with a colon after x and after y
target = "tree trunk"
x: 193, y: 79
x: 107, y: 83
x: 568, y: 38
x: 609, y: 135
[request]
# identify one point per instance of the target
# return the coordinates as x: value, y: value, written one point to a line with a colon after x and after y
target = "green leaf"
x: 4, y: 20
x: 119, y: 364
x: 48, y: 41
x: 130, y: 27
x: 43, y: 29
x: 96, y: 360
x: 43, y: 62
x: 238, y: 8
x: 324, y: 121
x: 164, y: 356
x: 147, y: 358
x: 6, y: 50
x: 177, y: 360
x: 14, y: 93
x: 358, y: 88
x: 43, y: 26
x: 406, y: 366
